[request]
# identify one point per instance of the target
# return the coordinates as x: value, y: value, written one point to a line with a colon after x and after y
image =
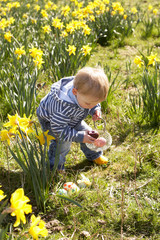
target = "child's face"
x: 85, y: 101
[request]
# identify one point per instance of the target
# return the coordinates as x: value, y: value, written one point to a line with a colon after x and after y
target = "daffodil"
x: 64, y: 34
x: 86, y: 30
x: 37, y: 7
x: 19, y: 206
x: 34, y: 52
x: 56, y: 22
x: 44, y: 13
x: 2, y: 196
x: 13, y: 121
x: 25, y: 124
x: 71, y: 49
x: 20, y: 52
x: 152, y: 59
x: 48, y: 5
x: 25, y: 15
x: 138, y: 60
x: 11, y: 20
x: 116, y: 5
x: 38, y: 61
x: 150, y: 7
x: 7, y: 135
x: 155, y: 11
x: 134, y: 10
x: 47, y: 29
x: 70, y: 28
x: 65, y: 10
x: 3, y: 23
x: 125, y: 16
x: 33, y: 20
x: 44, y: 135
x: 8, y: 36
x: 86, y: 49
x: 54, y: 7
x: 37, y: 227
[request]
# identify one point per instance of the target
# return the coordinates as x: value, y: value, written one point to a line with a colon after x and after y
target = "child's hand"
x: 100, y: 142
x: 96, y: 115
x: 87, y: 138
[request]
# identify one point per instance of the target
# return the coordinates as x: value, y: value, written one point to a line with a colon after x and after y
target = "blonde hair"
x: 92, y: 81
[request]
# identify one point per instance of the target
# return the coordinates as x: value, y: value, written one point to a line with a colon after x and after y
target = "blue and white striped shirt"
x: 61, y: 109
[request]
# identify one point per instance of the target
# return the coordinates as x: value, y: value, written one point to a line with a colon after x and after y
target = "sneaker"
x: 101, y: 160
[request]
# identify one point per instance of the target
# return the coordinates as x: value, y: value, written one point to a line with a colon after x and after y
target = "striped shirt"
x: 61, y: 109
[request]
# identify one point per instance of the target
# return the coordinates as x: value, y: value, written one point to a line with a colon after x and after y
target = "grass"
x: 123, y: 201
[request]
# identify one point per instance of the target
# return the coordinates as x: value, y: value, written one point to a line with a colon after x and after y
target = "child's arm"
x: 61, y: 128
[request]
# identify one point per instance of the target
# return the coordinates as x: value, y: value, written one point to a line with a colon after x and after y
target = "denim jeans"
x: 64, y: 146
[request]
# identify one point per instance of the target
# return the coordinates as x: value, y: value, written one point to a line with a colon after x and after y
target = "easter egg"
x: 62, y: 192
x: 71, y: 187
x: 93, y: 134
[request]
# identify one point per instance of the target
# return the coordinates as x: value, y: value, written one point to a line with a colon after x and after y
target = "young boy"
x: 63, y: 109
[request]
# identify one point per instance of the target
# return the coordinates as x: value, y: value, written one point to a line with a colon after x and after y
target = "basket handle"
x: 104, y: 122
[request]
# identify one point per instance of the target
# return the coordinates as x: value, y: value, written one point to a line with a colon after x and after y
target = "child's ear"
x: 74, y: 91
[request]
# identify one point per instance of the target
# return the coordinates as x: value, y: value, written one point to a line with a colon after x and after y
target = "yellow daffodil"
x: 64, y: 34
x: 25, y: 124
x: 48, y: 5
x: 20, y: 51
x: 92, y: 18
x: 42, y: 136
x: 37, y: 227
x: 25, y: 15
x: 37, y: 7
x: 86, y: 30
x: 3, y: 23
x: 71, y: 49
x: 44, y: 13
x: 7, y: 135
x: 134, y: 10
x: 121, y: 10
x: 138, y: 60
x: 47, y: 29
x: 155, y: 11
x: 70, y: 27
x: 57, y: 23
x: 33, y: 20
x: 19, y: 206
x: 34, y: 52
x: 38, y: 61
x: 113, y: 13
x: 86, y: 49
x: 2, y: 196
x: 152, y: 59
x: 116, y: 5
x: 28, y: 5
x: 54, y: 7
x: 8, y: 36
x: 150, y: 7
x: 124, y: 16
x: 13, y: 121
x: 106, y: 1
x: 11, y: 20
x: 65, y: 10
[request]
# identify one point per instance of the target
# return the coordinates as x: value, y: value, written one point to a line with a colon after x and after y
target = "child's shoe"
x: 101, y: 160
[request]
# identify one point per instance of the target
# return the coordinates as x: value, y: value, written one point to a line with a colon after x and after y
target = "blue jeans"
x: 64, y: 146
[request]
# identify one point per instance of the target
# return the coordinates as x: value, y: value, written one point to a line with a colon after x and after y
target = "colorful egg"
x: 71, y: 187
x: 62, y: 192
